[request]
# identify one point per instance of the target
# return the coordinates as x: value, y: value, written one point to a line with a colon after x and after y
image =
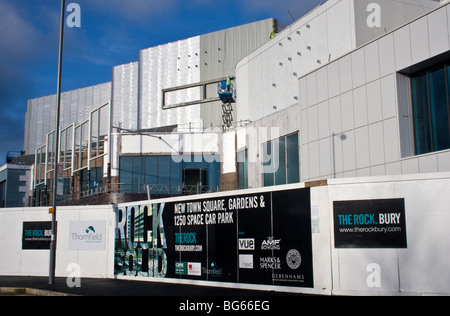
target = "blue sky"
x: 112, y: 32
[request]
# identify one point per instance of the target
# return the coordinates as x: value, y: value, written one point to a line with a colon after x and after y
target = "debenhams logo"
x: 271, y: 244
x: 89, y: 235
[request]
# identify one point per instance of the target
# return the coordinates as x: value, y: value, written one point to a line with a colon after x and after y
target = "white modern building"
x: 352, y: 89
x: 357, y: 99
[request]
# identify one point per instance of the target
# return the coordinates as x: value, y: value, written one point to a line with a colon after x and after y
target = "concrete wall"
x: 420, y: 268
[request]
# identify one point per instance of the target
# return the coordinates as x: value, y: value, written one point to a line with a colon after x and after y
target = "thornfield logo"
x: 89, y: 236
x: 214, y: 271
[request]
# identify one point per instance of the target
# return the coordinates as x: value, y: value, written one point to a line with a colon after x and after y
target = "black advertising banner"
x: 36, y: 235
x: 255, y: 227
x: 370, y: 224
x: 292, y: 225
x: 260, y: 238
x: 275, y: 245
x: 205, y: 244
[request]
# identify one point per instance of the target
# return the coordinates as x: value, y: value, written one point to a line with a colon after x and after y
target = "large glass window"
x: 268, y: 164
x: 292, y: 158
x: 88, y: 181
x: 242, y: 166
x: 126, y: 174
x: 281, y: 161
x: 430, y: 99
x: 163, y: 175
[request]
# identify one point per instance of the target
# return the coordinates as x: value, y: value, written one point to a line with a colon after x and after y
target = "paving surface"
x: 112, y: 287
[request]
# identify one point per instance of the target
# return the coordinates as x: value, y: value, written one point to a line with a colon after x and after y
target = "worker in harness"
x: 228, y: 83
x: 272, y: 33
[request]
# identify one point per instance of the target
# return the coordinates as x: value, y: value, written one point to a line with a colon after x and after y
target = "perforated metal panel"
x: 167, y: 66
x: 125, y: 96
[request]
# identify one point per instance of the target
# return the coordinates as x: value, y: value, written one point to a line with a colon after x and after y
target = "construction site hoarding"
x: 259, y: 238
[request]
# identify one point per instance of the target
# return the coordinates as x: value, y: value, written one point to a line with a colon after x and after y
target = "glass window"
x: 176, y: 177
x: 292, y: 156
x: 126, y: 174
x: 242, y: 164
x: 84, y: 180
x: 164, y: 174
x: 439, y: 109
x: 281, y: 161
x: 151, y: 173
x: 138, y: 175
x: 430, y: 103
x: 267, y: 164
x: 96, y: 179
x: 421, y: 113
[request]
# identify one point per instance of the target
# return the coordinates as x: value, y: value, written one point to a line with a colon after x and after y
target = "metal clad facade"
x: 75, y: 108
x: 125, y: 83
x: 163, y: 67
x: 220, y: 53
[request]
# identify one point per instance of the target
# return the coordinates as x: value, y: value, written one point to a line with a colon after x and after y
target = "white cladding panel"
x: 366, y: 122
x: 125, y: 95
x: 168, y: 66
x: 302, y: 47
